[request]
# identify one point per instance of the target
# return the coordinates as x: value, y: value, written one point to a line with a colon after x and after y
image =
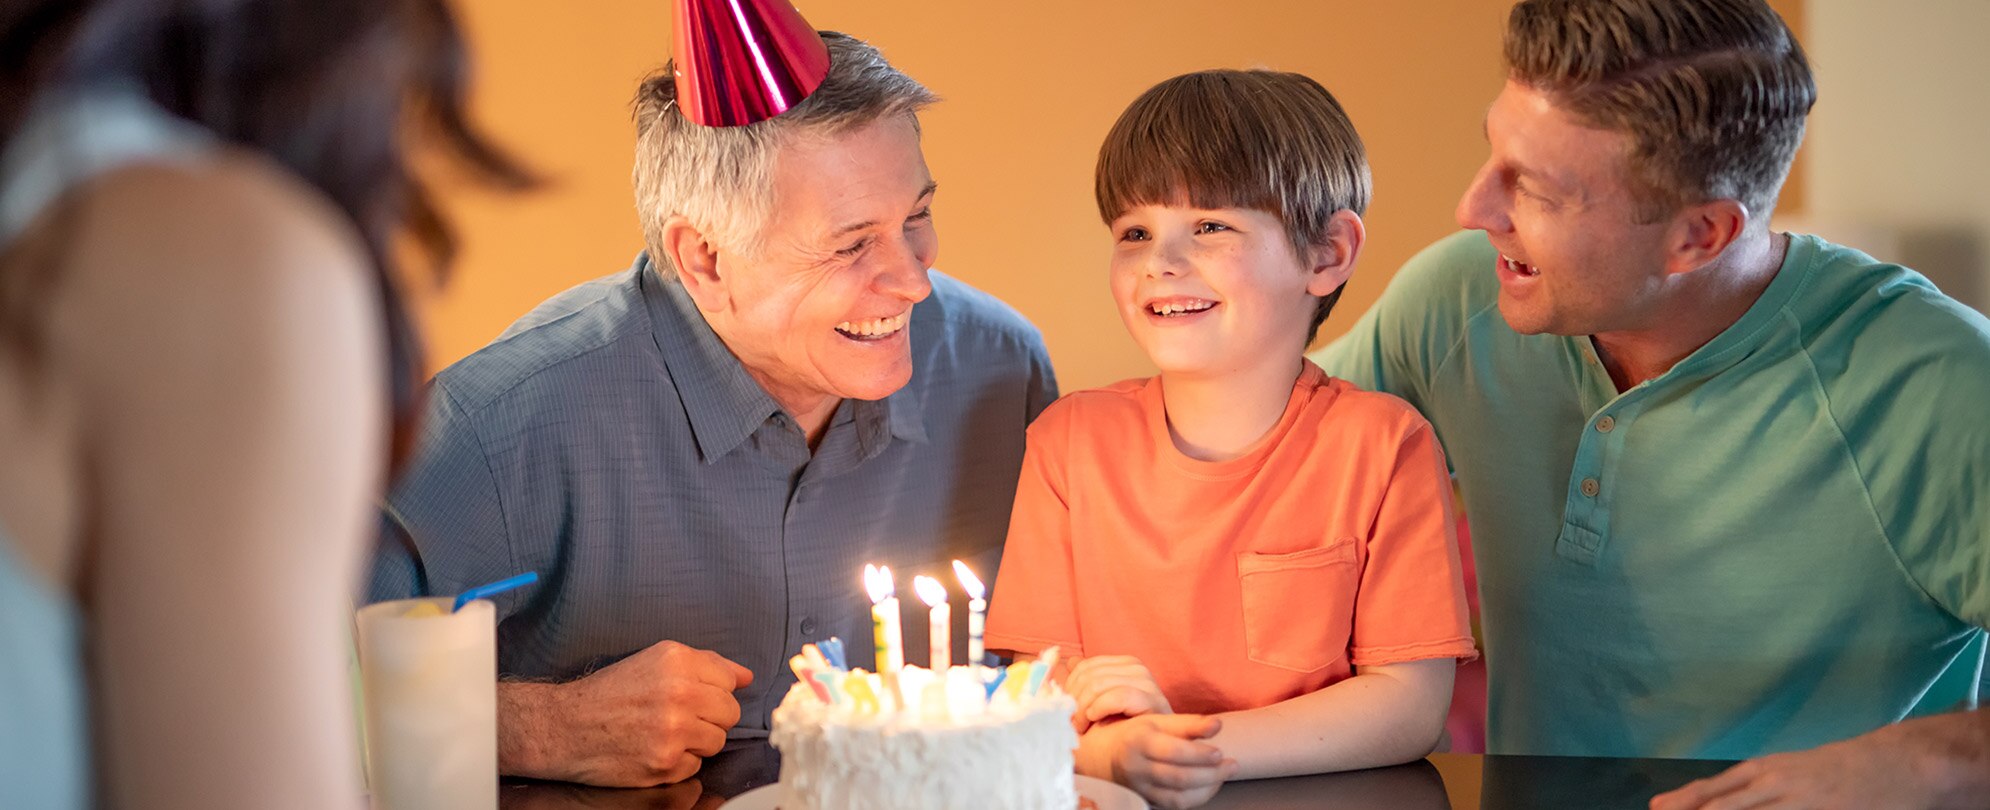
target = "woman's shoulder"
x: 229, y: 216
x: 160, y: 268
x: 228, y: 242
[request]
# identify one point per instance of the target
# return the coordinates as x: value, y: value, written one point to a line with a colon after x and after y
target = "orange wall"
x: 1030, y: 88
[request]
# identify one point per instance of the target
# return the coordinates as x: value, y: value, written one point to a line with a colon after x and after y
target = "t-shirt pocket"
x: 1299, y: 606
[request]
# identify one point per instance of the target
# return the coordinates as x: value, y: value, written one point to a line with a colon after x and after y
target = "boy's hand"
x: 1159, y: 757
x: 1113, y: 686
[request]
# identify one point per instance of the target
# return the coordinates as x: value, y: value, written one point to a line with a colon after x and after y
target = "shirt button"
x: 1590, y: 487
x: 1605, y: 425
x: 808, y: 627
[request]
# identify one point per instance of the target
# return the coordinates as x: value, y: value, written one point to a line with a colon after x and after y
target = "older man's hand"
x: 1931, y: 762
x: 648, y: 719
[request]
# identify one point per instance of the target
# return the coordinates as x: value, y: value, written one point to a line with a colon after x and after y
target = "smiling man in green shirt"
x: 1730, y: 488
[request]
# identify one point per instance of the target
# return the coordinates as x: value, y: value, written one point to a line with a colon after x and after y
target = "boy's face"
x: 1211, y: 292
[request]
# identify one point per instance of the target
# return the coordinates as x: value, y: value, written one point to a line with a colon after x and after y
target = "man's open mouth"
x: 874, y: 328
x: 1517, y: 267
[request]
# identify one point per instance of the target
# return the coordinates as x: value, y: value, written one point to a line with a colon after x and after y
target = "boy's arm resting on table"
x: 1383, y: 715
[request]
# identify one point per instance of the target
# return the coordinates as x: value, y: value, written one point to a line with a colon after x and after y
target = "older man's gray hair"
x: 721, y: 178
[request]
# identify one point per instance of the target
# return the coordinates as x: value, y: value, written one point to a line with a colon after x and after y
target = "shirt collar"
x: 724, y: 403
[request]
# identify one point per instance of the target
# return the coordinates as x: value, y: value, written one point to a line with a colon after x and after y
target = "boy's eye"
x: 1133, y: 234
x: 1211, y: 227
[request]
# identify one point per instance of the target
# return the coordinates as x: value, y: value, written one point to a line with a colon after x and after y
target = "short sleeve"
x: 1397, y: 346
x: 1410, y: 604
x: 1917, y: 430
x: 1035, y: 600
x: 1042, y: 382
x: 443, y: 527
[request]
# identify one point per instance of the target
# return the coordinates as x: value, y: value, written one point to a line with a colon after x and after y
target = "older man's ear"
x: 696, y: 262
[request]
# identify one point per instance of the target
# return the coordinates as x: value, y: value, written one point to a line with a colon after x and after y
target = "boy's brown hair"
x: 1258, y: 139
x: 1713, y: 93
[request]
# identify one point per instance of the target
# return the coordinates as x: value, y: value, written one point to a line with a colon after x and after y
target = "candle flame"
x: 930, y: 591
x: 877, y: 580
x: 969, y: 581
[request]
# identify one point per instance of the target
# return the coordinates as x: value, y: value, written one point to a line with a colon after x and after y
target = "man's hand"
x: 1932, y: 762
x: 1159, y: 756
x: 648, y: 719
x: 1112, y: 686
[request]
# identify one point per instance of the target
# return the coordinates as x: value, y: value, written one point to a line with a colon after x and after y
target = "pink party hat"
x: 744, y: 61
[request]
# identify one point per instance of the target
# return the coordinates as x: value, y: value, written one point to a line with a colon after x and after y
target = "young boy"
x: 1241, y: 539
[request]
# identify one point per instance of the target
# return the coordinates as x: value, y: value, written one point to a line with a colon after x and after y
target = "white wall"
x: 1898, y: 150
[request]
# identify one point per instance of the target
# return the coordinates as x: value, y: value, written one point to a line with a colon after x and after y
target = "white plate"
x: 1109, y: 796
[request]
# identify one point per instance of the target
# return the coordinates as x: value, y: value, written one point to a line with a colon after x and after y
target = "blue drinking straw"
x: 497, y: 587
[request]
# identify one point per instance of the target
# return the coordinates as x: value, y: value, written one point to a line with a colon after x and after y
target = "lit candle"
x: 884, y: 619
x: 977, y: 612
x: 941, y: 617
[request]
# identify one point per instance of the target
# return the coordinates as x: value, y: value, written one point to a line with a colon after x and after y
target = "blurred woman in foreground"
x: 205, y: 368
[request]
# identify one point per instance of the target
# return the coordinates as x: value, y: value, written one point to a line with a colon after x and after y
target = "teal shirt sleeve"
x: 1910, y: 397
x: 1398, y: 346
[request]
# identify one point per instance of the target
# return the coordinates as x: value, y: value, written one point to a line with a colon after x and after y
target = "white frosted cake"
x: 964, y: 742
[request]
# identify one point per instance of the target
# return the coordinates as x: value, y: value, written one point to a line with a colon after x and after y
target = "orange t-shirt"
x: 1328, y: 545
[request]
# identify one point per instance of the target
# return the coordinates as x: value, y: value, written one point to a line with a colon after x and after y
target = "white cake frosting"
x: 1010, y: 755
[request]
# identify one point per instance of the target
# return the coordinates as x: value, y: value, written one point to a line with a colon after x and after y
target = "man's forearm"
x: 1951, y: 753
x: 529, y: 730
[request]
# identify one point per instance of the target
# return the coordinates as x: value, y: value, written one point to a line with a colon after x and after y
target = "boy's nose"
x: 1167, y: 260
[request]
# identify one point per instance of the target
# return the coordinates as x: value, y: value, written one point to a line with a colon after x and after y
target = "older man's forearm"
x: 529, y: 730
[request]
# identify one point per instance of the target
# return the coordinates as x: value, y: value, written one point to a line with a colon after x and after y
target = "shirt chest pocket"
x: 1299, y: 606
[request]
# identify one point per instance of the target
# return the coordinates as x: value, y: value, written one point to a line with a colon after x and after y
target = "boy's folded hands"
x: 1113, y: 686
x: 1160, y: 756
x: 1130, y: 735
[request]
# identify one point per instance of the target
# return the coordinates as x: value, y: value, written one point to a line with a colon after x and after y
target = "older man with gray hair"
x: 700, y: 453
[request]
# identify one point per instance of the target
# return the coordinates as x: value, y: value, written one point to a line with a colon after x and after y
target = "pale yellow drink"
x: 430, y: 679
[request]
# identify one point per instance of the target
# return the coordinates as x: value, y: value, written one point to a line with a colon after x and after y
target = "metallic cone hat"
x: 744, y: 61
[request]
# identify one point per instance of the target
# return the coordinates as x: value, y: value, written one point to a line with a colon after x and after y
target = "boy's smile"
x: 1178, y: 309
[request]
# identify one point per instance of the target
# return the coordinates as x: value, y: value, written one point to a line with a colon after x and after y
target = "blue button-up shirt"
x: 611, y: 442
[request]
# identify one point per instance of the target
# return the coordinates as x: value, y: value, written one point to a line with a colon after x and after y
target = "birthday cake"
x: 965, y: 737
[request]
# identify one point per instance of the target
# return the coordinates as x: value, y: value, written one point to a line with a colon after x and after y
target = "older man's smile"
x: 874, y: 329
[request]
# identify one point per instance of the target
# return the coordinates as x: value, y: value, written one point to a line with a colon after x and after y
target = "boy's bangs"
x: 1180, y: 147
